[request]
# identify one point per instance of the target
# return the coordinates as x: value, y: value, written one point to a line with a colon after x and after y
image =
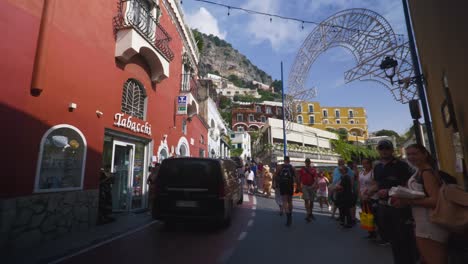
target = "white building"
x: 217, y: 147
x: 228, y: 89
x: 242, y: 140
x: 263, y: 86
x: 302, y: 142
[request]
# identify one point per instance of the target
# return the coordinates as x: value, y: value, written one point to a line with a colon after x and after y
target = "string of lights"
x: 302, y: 21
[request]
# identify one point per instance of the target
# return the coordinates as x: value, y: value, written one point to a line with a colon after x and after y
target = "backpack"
x: 286, y: 176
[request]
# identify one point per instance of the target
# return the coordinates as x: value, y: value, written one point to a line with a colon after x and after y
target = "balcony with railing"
x: 189, y: 84
x: 138, y: 31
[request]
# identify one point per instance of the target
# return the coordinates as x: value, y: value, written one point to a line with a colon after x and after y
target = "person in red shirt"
x: 308, y: 180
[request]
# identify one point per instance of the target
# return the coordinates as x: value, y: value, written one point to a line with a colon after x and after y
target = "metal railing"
x: 135, y: 14
x: 189, y: 84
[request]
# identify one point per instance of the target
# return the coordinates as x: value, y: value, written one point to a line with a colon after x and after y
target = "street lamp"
x: 389, y: 65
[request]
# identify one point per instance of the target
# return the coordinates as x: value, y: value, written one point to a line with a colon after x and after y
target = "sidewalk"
x: 73, y: 242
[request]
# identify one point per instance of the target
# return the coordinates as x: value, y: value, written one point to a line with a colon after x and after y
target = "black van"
x: 196, y: 188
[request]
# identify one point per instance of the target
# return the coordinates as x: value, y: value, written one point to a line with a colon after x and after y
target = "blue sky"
x: 267, y: 43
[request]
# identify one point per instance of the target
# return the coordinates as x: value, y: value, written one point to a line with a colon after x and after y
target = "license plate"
x: 189, y: 204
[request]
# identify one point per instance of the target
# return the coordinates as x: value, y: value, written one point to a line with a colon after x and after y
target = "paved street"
x: 257, y: 235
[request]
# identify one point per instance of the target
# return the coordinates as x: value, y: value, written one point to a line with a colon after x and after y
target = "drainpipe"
x: 39, y: 69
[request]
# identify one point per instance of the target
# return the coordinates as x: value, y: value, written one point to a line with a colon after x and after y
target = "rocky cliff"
x: 219, y: 57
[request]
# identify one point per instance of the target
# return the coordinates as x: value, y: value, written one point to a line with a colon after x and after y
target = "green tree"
x: 277, y: 86
x: 224, y: 102
x: 351, y: 152
x: 198, y: 39
x: 227, y: 116
x: 385, y: 132
x: 236, y: 152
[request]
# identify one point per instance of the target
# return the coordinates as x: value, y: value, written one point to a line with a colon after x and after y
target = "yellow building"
x: 352, y: 119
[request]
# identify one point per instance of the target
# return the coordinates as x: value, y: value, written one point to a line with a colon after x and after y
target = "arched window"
x: 299, y: 119
x: 311, y: 108
x: 134, y: 99
x: 183, y: 150
x: 62, y: 158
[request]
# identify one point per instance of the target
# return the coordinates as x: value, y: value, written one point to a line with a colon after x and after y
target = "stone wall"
x: 30, y: 220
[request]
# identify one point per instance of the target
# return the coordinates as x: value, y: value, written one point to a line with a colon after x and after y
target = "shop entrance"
x: 127, y: 162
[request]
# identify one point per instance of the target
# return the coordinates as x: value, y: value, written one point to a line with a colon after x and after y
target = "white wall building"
x: 216, y: 147
x: 302, y: 142
x: 242, y: 140
x: 228, y: 89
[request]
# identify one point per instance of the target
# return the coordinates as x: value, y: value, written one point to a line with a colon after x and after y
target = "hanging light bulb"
x: 271, y: 19
x: 229, y: 11
x: 181, y: 2
x: 302, y: 26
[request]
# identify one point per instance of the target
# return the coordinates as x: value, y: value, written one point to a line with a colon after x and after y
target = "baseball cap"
x: 385, y: 144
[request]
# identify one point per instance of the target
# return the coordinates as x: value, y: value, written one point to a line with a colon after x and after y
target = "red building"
x: 253, y: 116
x: 90, y: 85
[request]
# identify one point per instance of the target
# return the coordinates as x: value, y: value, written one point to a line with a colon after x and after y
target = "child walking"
x: 322, y: 192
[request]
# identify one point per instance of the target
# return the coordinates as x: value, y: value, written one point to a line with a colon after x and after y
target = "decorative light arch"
x: 370, y: 38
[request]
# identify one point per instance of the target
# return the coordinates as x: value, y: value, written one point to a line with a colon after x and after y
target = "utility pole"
x: 418, y: 79
x: 285, y: 144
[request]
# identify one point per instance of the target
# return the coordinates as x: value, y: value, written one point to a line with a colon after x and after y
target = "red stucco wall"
x: 81, y: 68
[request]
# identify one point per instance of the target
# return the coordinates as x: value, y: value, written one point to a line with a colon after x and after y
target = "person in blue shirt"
x: 336, y: 179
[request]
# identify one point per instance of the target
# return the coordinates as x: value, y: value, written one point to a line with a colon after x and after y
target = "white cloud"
x: 205, y: 22
x: 279, y: 33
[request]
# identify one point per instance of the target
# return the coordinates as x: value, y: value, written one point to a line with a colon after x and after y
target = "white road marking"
x: 242, y: 236
x: 254, y: 200
x: 102, y: 243
x: 246, y: 198
x: 251, y: 221
x: 254, y: 208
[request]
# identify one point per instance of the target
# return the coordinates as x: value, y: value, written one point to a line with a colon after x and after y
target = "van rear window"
x: 189, y: 173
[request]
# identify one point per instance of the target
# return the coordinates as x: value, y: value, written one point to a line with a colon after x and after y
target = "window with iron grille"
x: 134, y: 99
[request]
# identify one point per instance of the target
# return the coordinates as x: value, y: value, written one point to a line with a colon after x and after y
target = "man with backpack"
x: 307, y: 179
x: 286, y: 177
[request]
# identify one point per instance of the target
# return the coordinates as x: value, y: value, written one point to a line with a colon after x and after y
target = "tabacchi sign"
x: 121, y: 121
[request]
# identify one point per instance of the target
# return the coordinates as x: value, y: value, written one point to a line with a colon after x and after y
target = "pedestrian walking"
x: 106, y: 179
x: 431, y: 239
x: 250, y: 180
x: 355, y: 188
x: 286, y: 176
x: 322, y: 191
x: 366, y: 185
x: 308, y: 185
x: 278, y: 198
x: 344, y: 197
x: 151, y: 181
x: 335, y: 179
x: 394, y: 224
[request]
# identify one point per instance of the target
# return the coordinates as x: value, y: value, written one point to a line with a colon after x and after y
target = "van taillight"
x: 221, y: 191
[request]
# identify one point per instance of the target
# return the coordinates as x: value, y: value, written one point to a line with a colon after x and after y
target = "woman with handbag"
x: 431, y: 239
